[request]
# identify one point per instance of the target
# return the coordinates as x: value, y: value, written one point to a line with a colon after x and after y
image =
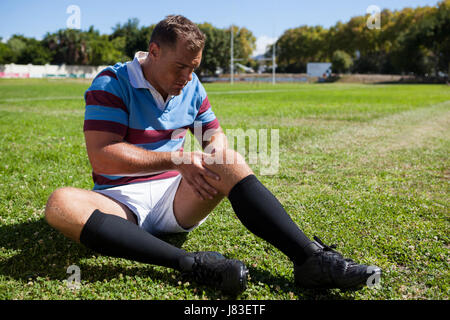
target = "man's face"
x: 172, y: 67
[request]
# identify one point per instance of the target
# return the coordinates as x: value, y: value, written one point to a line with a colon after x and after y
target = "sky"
x: 267, y: 19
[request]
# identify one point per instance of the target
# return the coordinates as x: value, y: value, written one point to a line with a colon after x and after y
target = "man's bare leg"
x: 112, y: 231
x: 109, y: 228
x: 256, y: 208
x: 189, y: 209
x: 68, y: 209
x: 263, y: 215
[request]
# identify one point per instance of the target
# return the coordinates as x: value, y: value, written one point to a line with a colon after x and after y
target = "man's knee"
x: 55, y: 203
x: 230, y: 160
x: 231, y: 167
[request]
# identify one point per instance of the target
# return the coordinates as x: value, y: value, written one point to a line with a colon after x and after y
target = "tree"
x: 216, y: 53
x: 244, y: 43
x: 424, y: 47
x: 409, y: 40
x: 433, y: 34
x: 23, y: 50
x: 17, y: 43
x: 341, y: 61
x: 69, y: 46
x: 35, y: 53
x: 296, y: 47
x: 6, y: 54
x: 102, y: 51
x: 136, y: 39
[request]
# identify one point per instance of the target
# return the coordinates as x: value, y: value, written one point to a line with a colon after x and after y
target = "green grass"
x: 363, y: 166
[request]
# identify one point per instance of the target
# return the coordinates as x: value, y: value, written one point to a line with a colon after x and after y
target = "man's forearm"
x: 122, y: 158
x: 217, y: 142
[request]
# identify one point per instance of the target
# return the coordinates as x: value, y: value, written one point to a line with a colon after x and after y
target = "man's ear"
x: 154, y: 50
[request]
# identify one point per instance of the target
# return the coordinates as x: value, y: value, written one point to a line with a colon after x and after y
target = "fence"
x: 48, y: 71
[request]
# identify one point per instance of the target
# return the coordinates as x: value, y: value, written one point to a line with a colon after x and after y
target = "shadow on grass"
x: 277, y: 284
x: 34, y: 249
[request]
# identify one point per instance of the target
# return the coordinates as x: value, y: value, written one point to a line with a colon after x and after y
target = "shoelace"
x: 327, y: 248
x: 331, y: 248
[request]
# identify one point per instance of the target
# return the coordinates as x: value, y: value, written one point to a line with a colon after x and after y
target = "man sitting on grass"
x: 145, y: 185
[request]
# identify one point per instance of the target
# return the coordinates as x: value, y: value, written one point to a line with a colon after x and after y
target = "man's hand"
x: 193, y: 170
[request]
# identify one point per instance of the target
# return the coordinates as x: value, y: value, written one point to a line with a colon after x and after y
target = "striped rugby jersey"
x: 116, y: 104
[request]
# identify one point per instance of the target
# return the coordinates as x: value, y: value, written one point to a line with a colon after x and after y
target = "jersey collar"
x: 138, y: 80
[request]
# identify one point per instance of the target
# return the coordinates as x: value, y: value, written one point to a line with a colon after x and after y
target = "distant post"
x: 232, y: 58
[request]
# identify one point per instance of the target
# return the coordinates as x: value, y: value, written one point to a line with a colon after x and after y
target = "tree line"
x: 77, y: 47
x: 408, y: 41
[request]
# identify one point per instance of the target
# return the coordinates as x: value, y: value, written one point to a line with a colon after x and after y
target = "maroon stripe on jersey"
x: 101, y: 180
x: 210, y: 125
x: 104, y: 99
x: 137, y: 136
x: 205, y: 106
x: 107, y: 73
x: 104, y: 125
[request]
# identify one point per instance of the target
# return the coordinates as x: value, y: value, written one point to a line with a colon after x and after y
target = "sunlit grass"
x: 363, y: 166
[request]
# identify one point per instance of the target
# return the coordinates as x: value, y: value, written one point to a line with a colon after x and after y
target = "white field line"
x: 405, y: 129
x: 250, y: 91
x: 41, y: 99
x: 81, y: 97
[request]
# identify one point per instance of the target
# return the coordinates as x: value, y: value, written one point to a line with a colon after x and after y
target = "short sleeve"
x: 105, y: 109
x: 205, y: 114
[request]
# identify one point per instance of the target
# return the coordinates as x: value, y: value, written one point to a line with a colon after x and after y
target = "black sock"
x: 262, y: 214
x: 117, y: 237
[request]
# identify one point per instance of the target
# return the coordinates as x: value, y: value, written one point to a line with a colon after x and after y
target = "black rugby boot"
x: 212, y: 268
x: 326, y: 269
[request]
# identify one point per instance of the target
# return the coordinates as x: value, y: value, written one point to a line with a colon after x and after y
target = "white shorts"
x: 152, y: 203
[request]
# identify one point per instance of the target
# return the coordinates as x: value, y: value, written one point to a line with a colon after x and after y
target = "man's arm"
x: 110, y: 155
x: 217, y: 141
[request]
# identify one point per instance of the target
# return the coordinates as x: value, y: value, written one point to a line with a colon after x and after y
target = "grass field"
x: 366, y: 167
